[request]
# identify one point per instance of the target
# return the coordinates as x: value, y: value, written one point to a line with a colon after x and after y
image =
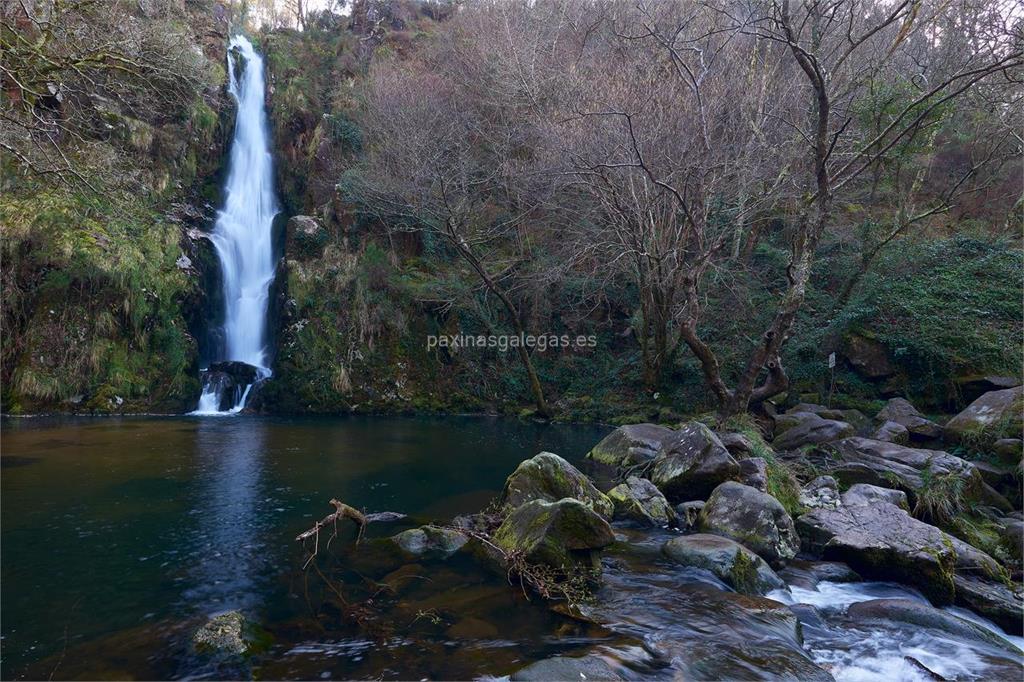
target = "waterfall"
x: 242, y: 235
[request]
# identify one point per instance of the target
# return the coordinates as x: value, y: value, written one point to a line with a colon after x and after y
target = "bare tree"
x: 442, y: 163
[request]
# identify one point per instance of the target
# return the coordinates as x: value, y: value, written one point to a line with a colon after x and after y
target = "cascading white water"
x: 242, y: 234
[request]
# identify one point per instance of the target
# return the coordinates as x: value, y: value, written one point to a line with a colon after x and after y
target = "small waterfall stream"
x: 243, y: 235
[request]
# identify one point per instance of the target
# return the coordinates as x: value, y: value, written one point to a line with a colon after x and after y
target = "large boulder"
x: 640, y: 501
x: 997, y: 414
x: 549, y: 477
x: 692, y: 463
x: 880, y: 540
x: 811, y: 429
x: 558, y: 534
x: 974, y: 386
x: 431, y: 542
x: 753, y: 518
x: 729, y: 561
x: 630, y: 445
x: 917, y: 425
x: 865, y: 493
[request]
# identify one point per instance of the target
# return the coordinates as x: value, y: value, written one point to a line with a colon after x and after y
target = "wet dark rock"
x: 738, y: 445
x: 1011, y: 531
x: 1009, y: 450
x: 892, y: 432
x: 562, y: 668
x: 811, y: 430
x: 918, y: 427
x: 640, y: 501
x: 808, y: 615
x: 550, y: 478
x: 753, y: 518
x: 882, y: 541
x: 998, y: 414
x: 923, y: 615
x: 1001, y: 604
x: 431, y: 542
x: 692, y: 463
x: 820, y: 493
x: 630, y: 445
x: 995, y: 475
x: 558, y: 534
x: 731, y: 562
x: 864, y: 493
x: 807, y: 574
x: 242, y: 373
x: 754, y: 472
x: 229, y: 380
x: 688, y: 513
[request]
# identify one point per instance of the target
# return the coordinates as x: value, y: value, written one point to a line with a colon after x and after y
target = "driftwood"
x: 341, y: 511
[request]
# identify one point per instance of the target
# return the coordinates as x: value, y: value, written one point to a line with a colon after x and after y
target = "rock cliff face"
x: 107, y: 281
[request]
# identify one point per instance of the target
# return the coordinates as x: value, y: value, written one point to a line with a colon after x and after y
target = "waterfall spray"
x: 242, y: 234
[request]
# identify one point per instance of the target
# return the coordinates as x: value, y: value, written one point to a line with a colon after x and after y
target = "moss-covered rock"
x: 753, y: 518
x: 431, y: 542
x: 630, y: 445
x: 730, y: 562
x: 995, y: 415
x: 560, y: 534
x: 549, y: 477
x: 640, y: 501
x: 692, y: 463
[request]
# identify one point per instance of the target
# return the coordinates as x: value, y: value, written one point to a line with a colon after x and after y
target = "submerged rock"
x: 692, y: 463
x: 729, y: 561
x: 559, y: 534
x: 925, y: 616
x: 640, y: 500
x: 997, y: 414
x: 919, y: 428
x: 630, y: 445
x: 753, y: 518
x: 222, y: 635
x: 561, y: 668
x: 550, y: 478
x: 807, y: 574
x: 431, y: 542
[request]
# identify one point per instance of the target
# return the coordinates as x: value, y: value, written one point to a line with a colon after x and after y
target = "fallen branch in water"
x: 341, y: 511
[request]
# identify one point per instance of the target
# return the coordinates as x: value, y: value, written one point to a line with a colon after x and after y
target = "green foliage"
x: 940, y: 497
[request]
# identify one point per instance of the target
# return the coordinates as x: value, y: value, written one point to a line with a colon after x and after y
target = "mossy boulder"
x: 729, y: 561
x: 753, y: 518
x: 549, y: 477
x: 431, y: 542
x: 222, y: 635
x: 560, y: 534
x: 630, y: 445
x: 995, y: 415
x: 640, y: 501
x: 692, y: 463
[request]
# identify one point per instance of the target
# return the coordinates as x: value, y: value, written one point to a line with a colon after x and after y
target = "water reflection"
x: 230, y: 523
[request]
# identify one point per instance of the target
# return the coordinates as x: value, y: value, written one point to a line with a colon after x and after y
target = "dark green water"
x: 120, y: 535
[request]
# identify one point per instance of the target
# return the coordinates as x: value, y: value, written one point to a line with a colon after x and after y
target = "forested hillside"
x: 720, y: 210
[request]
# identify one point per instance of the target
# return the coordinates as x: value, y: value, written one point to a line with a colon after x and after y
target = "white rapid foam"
x: 243, y: 235
x: 854, y: 655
